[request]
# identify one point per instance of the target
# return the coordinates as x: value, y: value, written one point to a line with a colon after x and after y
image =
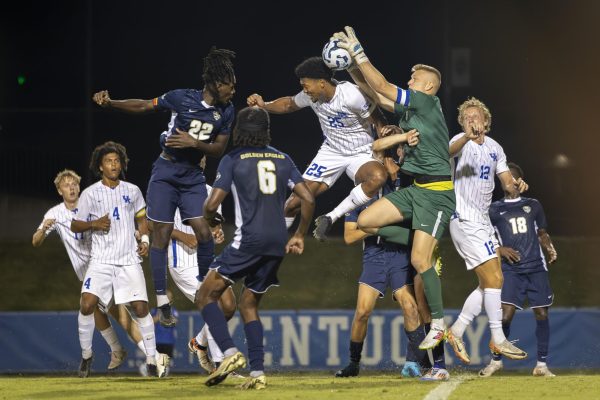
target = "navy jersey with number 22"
x: 258, y: 178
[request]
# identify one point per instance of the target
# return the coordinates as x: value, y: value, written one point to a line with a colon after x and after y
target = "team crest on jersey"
x: 527, y: 209
x: 216, y: 116
x: 218, y: 176
x: 494, y: 156
x: 126, y: 199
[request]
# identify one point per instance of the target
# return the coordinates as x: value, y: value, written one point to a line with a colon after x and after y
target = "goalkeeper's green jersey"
x: 420, y: 111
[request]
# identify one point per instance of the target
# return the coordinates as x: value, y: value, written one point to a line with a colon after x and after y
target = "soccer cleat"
x: 437, y: 261
x: 258, y: 383
x: 85, y: 366
x: 490, y: 369
x: 542, y: 370
x: 162, y: 365
x: 151, y: 370
x: 434, y: 337
x: 458, y: 345
x: 237, y: 375
x: 165, y: 317
x: 508, y: 349
x: 351, y: 369
x: 116, y: 359
x: 228, y: 365
x: 203, y: 357
x: 411, y: 370
x: 436, y: 374
x: 323, y: 225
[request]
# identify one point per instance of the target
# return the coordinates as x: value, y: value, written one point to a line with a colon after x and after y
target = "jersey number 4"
x: 267, y: 180
x: 200, y: 130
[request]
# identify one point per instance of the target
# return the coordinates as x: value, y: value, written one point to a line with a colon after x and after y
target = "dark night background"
x: 534, y: 63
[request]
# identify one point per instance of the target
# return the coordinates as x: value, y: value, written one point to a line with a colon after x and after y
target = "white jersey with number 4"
x: 344, y: 119
x: 118, y: 246
x: 78, y: 245
x: 474, y: 167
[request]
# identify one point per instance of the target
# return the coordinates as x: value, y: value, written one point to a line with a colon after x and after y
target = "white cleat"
x: 436, y: 374
x: 433, y: 338
x: 203, y: 358
x: 116, y: 359
x: 542, y: 370
x: 508, y: 349
x: 162, y: 364
x: 489, y: 370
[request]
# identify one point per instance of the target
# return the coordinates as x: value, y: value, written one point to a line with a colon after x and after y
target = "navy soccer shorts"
x: 260, y: 272
x: 174, y: 185
x: 389, y: 267
x: 534, y: 286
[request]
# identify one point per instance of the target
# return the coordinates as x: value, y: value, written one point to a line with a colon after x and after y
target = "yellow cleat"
x: 258, y: 383
x: 458, y: 345
x: 229, y: 364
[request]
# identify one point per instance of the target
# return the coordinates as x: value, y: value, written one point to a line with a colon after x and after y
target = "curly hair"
x: 252, y: 128
x: 474, y: 102
x: 218, y: 66
x: 66, y: 173
x: 104, y: 149
x: 517, y: 169
x: 314, y: 68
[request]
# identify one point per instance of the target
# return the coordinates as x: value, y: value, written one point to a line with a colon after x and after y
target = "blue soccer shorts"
x: 389, y: 267
x: 534, y: 286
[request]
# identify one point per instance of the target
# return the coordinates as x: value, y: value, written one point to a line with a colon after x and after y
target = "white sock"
x: 438, y: 323
x: 231, y: 351
x: 140, y: 346
x: 202, y: 337
x: 356, y: 198
x: 540, y: 364
x: 161, y: 300
x: 493, y: 308
x: 256, y: 374
x: 86, y: 326
x: 146, y: 325
x: 215, y: 352
x: 470, y: 310
x: 111, y: 338
x: 289, y: 221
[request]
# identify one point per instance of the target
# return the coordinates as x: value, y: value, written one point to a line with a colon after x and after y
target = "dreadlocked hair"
x: 252, y: 128
x: 104, y: 149
x: 218, y: 66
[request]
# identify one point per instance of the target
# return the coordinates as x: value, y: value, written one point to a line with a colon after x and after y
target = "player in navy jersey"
x: 200, y: 124
x: 521, y: 226
x: 258, y: 176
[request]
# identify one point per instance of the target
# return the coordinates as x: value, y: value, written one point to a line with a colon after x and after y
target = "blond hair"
x: 65, y: 173
x: 474, y: 102
x: 428, y: 68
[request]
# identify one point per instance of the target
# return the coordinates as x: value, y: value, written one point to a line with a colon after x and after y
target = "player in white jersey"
x: 478, y: 158
x: 110, y: 209
x: 78, y: 246
x: 347, y: 117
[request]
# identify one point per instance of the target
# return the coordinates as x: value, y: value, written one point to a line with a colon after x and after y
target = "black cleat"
x: 351, y: 369
x: 84, y: 367
x: 152, y: 370
x: 165, y: 317
x: 323, y: 225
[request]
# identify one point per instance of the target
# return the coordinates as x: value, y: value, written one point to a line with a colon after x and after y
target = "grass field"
x: 372, y: 385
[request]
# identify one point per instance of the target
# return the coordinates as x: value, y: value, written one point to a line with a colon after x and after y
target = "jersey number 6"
x: 267, y: 181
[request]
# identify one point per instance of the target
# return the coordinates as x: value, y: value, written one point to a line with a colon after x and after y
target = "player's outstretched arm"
x: 307, y: 209
x: 352, y: 234
x: 211, y: 206
x: 359, y: 79
x: 186, y: 238
x: 547, y: 244
x: 282, y: 105
x: 40, y: 235
x: 411, y: 137
x: 133, y: 106
x: 508, y: 185
x: 184, y: 140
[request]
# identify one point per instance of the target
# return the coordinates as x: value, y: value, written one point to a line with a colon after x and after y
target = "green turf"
x: 324, y: 277
x: 372, y: 385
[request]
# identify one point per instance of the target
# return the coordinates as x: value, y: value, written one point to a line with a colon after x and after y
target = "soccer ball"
x: 335, y: 57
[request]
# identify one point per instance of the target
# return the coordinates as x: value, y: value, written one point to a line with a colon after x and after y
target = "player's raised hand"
x: 181, y: 140
x: 101, y: 224
x: 349, y: 41
x: 390, y: 130
x: 473, y: 130
x: 48, y: 223
x: 295, y: 245
x: 412, y: 137
x: 510, y: 254
x: 255, y: 100
x: 102, y: 98
x: 521, y: 185
x: 218, y: 234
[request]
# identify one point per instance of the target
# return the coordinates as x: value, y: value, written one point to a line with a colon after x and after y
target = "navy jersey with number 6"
x: 189, y: 112
x: 258, y: 178
x: 517, y: 222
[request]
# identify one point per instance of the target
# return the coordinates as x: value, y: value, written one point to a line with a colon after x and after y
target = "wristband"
x: 145, y: 239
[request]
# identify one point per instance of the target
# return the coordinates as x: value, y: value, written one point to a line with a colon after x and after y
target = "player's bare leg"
x: 369, y: 178
x: 292, y: 204
x: 117, y: 352
x: 254, y: 333
x: 161, y: 237
x: 85, y: 321
x: 381, y: 213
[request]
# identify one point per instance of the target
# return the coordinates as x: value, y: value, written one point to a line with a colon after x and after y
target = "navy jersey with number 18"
x: 258, y: 178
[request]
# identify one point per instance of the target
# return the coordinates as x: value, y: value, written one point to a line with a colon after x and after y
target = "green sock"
x: 433, y: 292
x: 395, y: 234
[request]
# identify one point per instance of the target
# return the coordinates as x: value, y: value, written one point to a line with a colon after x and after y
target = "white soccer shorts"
x: 125, y: 282
x: 328, y: 165
x: 474, y: 241
x: 186, y: 280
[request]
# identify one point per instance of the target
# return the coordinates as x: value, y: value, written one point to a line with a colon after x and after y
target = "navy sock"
x: 355, y: 351
x: 506, y: 330
x: 439, y: 356
x: 542, y: 333
x: 205, y: 253
x: 254, y: 338
x: 425, y: 362
x: 413, y: 353
x: 158, y: 261
x: 213, y: 316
